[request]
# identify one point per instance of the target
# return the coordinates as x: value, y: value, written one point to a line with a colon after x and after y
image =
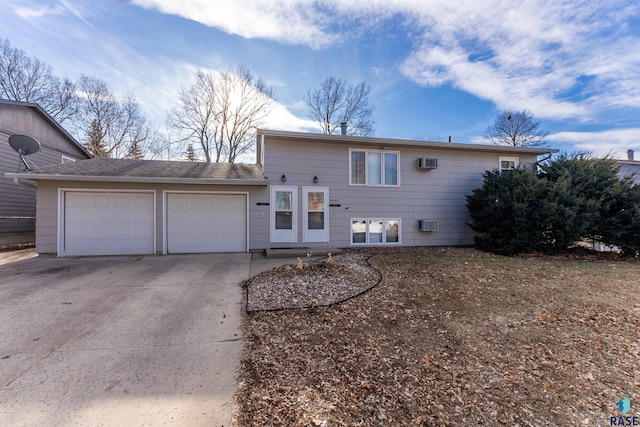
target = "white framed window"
x: 67, y: 159
x: 508, y: 163
x: 374, y: 168
x: 375, y: 231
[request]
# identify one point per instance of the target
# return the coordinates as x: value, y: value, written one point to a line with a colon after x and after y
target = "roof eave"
x: 51, y: 120
x: 137, y: 179
x: 402, y: 143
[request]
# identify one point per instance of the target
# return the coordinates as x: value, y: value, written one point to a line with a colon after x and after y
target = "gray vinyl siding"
x: 631, y: 169
x: 437, y: 194
x: 17, y: 202
x: 47, y: 221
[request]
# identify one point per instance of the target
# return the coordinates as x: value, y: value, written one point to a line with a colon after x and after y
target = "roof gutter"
x: 26, y: 183
x: 136, y: 179
x: 400, y: 143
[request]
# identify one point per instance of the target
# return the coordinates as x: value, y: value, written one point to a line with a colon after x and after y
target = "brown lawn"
x: 453, y: 337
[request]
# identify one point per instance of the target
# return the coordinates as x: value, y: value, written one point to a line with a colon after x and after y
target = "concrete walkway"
x: 113, y: 341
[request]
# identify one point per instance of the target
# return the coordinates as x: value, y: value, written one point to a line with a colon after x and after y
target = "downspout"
x: 544, y: 160
x: 26, y: 183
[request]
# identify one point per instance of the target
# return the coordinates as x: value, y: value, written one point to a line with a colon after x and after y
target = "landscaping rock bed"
x: 318, y: 283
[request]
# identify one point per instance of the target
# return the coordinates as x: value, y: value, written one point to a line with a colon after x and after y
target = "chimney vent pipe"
x: 629, y: 154
x: 343, y: 128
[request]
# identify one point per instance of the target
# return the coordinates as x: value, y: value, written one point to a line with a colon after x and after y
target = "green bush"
x: 504, y: 211
x: 571, y: 199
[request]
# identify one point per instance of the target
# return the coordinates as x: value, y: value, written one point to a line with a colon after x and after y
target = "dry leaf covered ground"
x: 451, y: 337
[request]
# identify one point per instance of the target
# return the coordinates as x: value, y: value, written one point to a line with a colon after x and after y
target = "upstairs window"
x: 67, y: 159
x: 508, y: 163
x: 373, y: 167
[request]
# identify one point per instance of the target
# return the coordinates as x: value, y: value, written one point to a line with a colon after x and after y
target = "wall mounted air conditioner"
x: 427, y: 225
x: 427, y: 163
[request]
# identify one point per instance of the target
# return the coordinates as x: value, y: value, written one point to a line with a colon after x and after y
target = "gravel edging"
x: 318, y: 284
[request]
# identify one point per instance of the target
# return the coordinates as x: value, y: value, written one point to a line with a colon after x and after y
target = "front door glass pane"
x: 284, y: 217
x: 316, y: 201
x: 283, y: 201
x: 316, y: 220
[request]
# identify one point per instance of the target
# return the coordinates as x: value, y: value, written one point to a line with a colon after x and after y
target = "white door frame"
x: 311, y: 235
x: 286, y: 235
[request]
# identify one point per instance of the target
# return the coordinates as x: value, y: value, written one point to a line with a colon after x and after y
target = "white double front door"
x: 285, y: 214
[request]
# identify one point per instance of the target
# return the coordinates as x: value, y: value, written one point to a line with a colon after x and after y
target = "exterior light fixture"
x: 315, y: 179
x: 284, y: 178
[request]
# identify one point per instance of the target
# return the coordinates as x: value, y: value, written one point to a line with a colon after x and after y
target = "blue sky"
x: 437, y: 68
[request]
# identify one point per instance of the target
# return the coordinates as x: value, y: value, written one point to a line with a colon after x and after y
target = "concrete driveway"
x: 125, y: 340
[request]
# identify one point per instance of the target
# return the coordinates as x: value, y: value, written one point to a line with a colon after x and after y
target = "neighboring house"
x: 630, y: 167
x: 306, y: 191
x: 18, y: 202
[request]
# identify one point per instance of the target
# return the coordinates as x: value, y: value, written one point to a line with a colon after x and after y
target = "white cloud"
x: 615, y: 142
x: 288, y: 21
x: 515, y: 54
x: 76, y: 11
x: 282, y: 118
x: 531, y: 55
x: 35, y: 11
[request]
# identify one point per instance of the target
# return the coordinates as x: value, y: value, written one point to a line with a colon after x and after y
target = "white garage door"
x: 206, y: 223
x: 108, y: 223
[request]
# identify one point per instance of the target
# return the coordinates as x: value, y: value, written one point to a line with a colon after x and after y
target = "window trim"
x: 382, y: 168
x: 515, y: 160
x: 384, y: 231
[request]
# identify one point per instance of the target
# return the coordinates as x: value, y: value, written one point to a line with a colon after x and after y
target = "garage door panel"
x: 108, y: 223
x: 206, y: 223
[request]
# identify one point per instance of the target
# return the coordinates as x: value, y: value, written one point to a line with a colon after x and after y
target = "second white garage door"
x: 206, y: 223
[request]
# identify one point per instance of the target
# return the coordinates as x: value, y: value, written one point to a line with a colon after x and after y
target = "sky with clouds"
x: 437, y: 68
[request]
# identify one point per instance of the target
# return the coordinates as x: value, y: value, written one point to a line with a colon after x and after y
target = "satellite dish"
x: 24, y: 145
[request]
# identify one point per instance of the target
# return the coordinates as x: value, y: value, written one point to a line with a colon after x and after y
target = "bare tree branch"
x: 220, y: 113
x: 335, y: 102
x: 29, y: 80
x: 111, y: 126
x: 516, y: 129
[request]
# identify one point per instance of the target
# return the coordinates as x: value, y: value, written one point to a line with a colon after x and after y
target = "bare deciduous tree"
x: 111, y: 126
x: 335, y: 102
x: 516, y: 129
x: 220, y: 113
x: 29, y: 80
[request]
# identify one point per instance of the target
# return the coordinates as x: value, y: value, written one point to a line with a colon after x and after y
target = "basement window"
x: 375, y: 231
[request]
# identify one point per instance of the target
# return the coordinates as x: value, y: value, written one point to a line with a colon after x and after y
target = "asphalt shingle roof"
x: 154, y: 169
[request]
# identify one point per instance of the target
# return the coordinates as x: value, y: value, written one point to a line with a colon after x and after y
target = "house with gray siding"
x: 306, y: 190
x: 18, y: 202
x: 630, y: 167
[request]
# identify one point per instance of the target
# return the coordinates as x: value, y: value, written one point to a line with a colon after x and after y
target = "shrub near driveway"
x: 452, y: 337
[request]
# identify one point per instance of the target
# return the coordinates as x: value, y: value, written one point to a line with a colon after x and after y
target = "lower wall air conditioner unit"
x: 427, y: 225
